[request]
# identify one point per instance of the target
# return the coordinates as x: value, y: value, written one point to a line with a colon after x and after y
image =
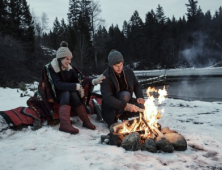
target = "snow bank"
x: 48, y: 148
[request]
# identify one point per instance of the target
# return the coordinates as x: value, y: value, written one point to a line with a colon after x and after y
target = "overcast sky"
x: 116, y: 11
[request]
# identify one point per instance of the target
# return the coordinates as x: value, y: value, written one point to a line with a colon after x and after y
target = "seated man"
x: 117, y: 90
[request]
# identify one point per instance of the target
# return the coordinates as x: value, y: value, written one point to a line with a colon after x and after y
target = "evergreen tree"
x: 159, y: 45
x: 63, y: 30
x: 27, y: 25
x: 194, y: 16
x: 136, y: 38
x: 74, y: 12
x: 55, y: 39
x: 111, y: 31
x: 3, y: 15
x: 149, y: 30
x: 125, y: 28
x: 160, y: 15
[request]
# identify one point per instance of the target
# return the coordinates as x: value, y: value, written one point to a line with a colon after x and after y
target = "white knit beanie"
x: 63, y: 51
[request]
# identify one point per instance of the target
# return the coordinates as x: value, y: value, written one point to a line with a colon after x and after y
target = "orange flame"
x: 150, y: 114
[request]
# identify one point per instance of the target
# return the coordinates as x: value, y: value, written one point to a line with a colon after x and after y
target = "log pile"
x: 162, y: 139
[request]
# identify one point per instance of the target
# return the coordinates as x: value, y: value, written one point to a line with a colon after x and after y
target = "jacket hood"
x: 55, y: 65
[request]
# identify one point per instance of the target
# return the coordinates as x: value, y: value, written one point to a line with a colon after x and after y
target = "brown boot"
x: 82, y: 113
x: 64, y: 116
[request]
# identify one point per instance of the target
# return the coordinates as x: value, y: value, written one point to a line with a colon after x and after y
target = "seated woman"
x: 68, y: 89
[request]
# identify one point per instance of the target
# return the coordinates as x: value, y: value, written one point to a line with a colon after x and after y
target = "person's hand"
x: 131, y: 108
x: 140, y: 101
x: 78, y: 86
x: 82, y: 92
x: 99, y: 79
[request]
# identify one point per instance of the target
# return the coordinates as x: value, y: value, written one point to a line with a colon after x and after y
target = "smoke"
x: 202, y: 51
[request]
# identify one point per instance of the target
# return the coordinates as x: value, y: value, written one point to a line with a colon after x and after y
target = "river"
x: 194, y: 88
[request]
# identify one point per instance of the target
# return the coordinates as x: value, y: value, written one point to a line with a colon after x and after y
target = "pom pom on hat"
x: 63, y: 44
x: 63, y: 51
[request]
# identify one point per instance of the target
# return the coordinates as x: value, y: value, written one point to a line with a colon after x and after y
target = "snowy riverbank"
x: 48, y: 148
x: 209, y: 71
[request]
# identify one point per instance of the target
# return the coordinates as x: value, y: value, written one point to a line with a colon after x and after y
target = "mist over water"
x: 193, y: 88
x: 201, y: 88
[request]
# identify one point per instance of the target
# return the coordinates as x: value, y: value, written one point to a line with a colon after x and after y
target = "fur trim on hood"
x: 55, y: 65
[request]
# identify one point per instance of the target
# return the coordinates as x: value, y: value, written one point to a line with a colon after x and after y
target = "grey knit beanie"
x: 114, y: 57
x: 63, y: 51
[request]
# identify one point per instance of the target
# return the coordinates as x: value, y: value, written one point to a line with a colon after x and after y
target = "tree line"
x: 16, y: 21
x: 21, y: 57
x: 194, y: 40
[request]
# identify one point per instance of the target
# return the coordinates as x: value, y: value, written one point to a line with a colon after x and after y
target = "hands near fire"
x: 140, y: 101
x: 99, y: 79
x: 131, y: 108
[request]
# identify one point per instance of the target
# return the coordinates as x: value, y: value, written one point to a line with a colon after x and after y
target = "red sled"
x: 25, y: 116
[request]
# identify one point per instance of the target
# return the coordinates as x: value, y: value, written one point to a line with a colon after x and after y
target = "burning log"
x: 153, y: 128
x: 144, y: 121
x: 159, y: 133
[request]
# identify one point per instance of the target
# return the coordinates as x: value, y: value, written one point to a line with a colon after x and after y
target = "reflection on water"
x: 199, y: 88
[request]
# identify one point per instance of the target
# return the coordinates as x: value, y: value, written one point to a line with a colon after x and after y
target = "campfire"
x: 145, y: 132
x: 148, y: 118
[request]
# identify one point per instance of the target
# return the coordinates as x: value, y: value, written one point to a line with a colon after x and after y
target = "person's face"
x: 66, y: 61
x: 118, y: 68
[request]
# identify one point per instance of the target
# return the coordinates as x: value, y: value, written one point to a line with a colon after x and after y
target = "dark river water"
x: 194, y: 88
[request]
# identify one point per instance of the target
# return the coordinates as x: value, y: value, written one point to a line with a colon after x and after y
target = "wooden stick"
x: 146, y: 124
x: 159, y: 133
x: 139, y: 110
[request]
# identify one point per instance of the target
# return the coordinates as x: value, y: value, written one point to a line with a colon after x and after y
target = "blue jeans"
x: 126, y: 96
x: 67, y: 97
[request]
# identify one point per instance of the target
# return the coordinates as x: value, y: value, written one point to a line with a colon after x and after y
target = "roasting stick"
x: 139, y: 110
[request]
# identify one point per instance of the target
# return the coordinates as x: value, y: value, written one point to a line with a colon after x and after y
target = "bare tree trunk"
x: 81, y: 49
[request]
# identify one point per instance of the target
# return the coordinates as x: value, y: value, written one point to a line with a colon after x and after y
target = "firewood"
x: 146, y: 124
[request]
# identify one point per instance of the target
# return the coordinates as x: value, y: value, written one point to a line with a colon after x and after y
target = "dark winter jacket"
x: 110, y: 89
x: 44, y: 99
x: 65, y: 80
x: 70, y: 76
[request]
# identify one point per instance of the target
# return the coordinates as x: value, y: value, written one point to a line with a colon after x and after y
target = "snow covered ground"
x: 49, y: 149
